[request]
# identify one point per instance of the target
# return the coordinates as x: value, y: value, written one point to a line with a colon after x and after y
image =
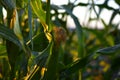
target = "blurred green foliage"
x: 35, y: 46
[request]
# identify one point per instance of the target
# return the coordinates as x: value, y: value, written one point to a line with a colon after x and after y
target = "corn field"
x: 36, y: 44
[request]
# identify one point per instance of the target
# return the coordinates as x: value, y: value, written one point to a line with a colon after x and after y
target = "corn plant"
x: 33, y: 46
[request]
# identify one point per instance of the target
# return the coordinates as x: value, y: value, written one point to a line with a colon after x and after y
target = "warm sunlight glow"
x: 4, y: 13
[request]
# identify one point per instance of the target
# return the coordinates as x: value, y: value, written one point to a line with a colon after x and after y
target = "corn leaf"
x: 30, y: 22
x: 78, y: 31
x: 1, y: 14
x: 41, y: 60
x: 37, y: 8
x: 40, y: 42
x: 73, y: 67
x: 3, y: 52
x: 9, y: 35
x: 17, y: 30
x: 109, y: 50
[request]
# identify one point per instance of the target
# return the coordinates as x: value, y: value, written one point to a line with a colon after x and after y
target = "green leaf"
x: 100, y: 35
x: 37, y: 8
x: 73, y: 67
x: 105, y: 25
x: 9, y: 35
x: 109, y: 50
x: 117, y: 1
x: 41, y: 60
x: 78, y: 31
x: 5, y: 67
x: 8, y: 5
x: 40, y: 42
x: 21, y: 65
x: 17, y: 30
x: 3, y: 51
x: 1, y: 14
x: 52, y: 64
x: 44, y: 54
x: 30, y: 22
x: 19, y: 3
x: 112, y: 17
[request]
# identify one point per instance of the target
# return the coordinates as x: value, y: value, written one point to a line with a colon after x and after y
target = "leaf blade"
x: 78, y: 31
x: 75, y: 66
x: 109, y: 50
x: 9, y: 35
x: 30, y: 22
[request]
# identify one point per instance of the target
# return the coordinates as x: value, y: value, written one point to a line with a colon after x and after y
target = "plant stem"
x: 48, y: 13
x: 52, y: 65
x: 80, y: 74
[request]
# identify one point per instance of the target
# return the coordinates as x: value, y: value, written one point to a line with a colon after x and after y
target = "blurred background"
x: 83, y: 13
x: 100, y: 21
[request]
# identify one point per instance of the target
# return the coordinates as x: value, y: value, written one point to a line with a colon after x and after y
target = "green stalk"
x: 52, y: 62
x: 48, y: 14
x: 51, y: 73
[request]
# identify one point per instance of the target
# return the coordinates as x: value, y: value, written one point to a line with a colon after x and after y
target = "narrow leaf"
x: 37, y: 8
x: 75, y: 66
x: 3, y: 52
x: 78, y: 31
x: 41, y: 60
x: 1, y: 14
x: 112, y: 17
x: 9, y: 35
x: 30, y: 22
x: 109, y: 50
x: 105, y: 25
x: 40, y: 42
x: 17, y: 29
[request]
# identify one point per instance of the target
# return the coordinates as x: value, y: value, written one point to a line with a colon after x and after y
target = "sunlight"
x: 4, y: 13
x: 83, y: 14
